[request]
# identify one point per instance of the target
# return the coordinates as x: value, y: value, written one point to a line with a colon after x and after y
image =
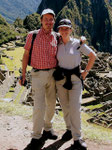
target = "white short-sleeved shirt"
x: 68, y: 56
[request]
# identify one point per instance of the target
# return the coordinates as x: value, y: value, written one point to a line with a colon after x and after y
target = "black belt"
x: 47, y: 69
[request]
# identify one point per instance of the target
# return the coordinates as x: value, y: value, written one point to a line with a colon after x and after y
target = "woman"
x: 70, y: 80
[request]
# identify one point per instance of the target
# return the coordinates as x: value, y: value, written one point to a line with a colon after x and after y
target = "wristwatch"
x: 86, y: 70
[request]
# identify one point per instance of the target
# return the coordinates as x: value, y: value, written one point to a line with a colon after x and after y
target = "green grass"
x: 15, y: 109
x: 89, y: 130
x: 10, y: 93
x: 2, y: 67
x: 91, y: 107
x: 16, y: 63
x: 19, y: 95
x: 84, y: 91
x: 95, y: 132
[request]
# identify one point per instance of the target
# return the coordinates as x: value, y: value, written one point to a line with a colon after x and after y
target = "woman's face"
x: 65, y: 32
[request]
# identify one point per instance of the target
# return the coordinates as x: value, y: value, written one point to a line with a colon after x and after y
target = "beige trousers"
x: 70, y: 101
x: 44, y: 96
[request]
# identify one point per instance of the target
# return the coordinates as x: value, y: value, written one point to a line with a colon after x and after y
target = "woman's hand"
x: 92, y: 57
x: 82, y: 39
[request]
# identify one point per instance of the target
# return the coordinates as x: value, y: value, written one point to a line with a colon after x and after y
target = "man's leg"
x: 38, y: 92
x: 38, y: 95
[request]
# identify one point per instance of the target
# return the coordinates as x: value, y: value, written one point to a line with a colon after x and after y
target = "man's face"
x: 47, y: 22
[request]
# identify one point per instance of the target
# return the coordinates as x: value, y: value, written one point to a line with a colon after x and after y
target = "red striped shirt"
x: 44, y: 49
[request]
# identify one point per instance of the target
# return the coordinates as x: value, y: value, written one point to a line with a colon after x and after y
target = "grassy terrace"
x: 16, y: 63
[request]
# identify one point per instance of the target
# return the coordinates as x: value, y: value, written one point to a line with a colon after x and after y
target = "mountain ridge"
x: 12, y: 9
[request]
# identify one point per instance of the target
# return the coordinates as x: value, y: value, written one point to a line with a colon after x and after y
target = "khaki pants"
x: 44, y: 95
x: 70, y: 101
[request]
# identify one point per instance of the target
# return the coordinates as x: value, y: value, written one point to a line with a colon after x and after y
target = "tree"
x: 32, y: 22
x: 18, y: 22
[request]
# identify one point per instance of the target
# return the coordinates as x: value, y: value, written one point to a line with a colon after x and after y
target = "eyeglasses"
x: 48, y: 20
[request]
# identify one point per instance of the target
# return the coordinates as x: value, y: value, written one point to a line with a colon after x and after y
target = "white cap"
x: 47, y: 11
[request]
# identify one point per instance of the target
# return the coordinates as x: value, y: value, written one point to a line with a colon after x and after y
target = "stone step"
x: 88, y: 101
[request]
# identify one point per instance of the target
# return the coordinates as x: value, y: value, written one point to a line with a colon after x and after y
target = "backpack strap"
x: 57, y: 35
x: 33, y: 38
x: 79, y: 45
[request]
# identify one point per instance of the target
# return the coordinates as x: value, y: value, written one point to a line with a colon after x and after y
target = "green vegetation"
x: 9, y: 94
x: 3, y: 21
x: 87, y: 19
x: 91, y: 131
x: 32, y: 22
x: 19, y: 95
x: 6, y: 32
x: 15, y: 109
x: 18, y: 22
x: 85, y: 91
x: 15, y: 63
x: 56, y: 5
x: 10, y: 32
x: 95, y: 132
x: 91, y: 107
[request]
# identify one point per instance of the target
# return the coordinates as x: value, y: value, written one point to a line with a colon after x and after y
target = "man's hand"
x: 22, y: 80
x: 84, y: 74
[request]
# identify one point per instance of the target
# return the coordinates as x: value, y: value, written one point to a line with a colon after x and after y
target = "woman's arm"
x: 89, y: 65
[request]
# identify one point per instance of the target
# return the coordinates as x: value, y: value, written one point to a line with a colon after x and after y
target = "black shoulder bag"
x: 30, y: 53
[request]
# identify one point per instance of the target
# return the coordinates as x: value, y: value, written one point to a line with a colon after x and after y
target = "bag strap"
x: 57, y: 35
x: 79, y: 45
x: 33, y: 38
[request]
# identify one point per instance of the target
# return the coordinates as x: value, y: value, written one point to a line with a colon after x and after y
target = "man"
x: 43, y: 62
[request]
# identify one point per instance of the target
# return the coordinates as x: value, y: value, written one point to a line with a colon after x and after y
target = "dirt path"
x: 15, y: 135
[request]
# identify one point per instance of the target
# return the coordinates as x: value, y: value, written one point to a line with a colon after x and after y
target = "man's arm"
x: 24, y: 66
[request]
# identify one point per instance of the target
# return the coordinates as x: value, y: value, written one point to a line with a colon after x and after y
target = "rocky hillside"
x: 56, y: 5
x: 11, y: 9
x: 92, y: 18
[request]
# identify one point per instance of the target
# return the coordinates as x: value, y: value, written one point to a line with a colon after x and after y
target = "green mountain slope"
x: 6, y: 33
x: 92, y: 18
x: 11, y: 9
